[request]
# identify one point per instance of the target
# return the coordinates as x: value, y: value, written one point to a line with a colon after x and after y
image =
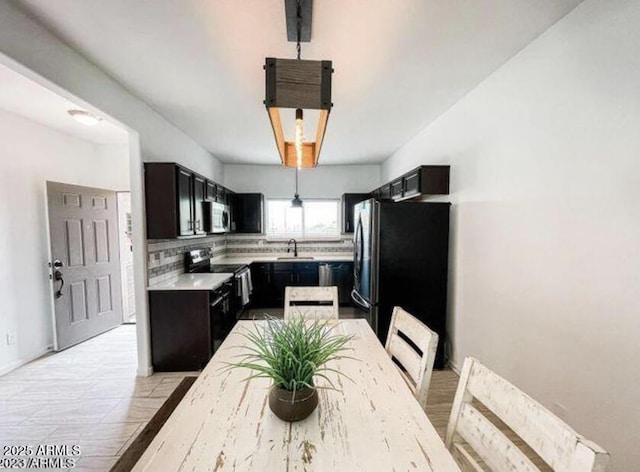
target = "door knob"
x: 57, y: 275
x: 57, y: 264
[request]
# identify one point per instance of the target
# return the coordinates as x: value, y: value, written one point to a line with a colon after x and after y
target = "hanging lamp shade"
x: 298, y: 84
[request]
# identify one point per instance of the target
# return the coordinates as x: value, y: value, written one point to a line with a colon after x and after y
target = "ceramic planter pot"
x: 289, y: 408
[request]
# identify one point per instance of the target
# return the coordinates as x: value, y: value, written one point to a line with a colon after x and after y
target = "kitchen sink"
x: 295, y: 258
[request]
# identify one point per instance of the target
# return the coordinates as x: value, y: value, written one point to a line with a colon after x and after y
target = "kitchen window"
x: 317, y: 219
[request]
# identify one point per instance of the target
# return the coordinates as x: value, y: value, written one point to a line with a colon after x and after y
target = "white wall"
x: 30, y: 155
x: 277, y: 181
x: 42, y: 56
x: 27, y: 42
x: 545, y: 159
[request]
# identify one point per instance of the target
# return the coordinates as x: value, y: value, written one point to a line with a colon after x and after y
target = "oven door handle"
x: 217, y: 301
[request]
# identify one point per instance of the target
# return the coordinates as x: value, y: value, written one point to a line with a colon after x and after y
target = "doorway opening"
x: 97, y: 166
x: 125, y: 236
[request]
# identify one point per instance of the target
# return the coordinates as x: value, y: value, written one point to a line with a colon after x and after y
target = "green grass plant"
x: 292, y: 352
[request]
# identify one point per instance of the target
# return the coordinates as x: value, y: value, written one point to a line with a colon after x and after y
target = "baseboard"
x: 144, y: 371
x: 20, y: 362
x: 454, y: 367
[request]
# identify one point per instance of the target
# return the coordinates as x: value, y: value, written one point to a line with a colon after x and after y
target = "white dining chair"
x: 313, y: 303
x: 471, y: 435
x: 417, y: 365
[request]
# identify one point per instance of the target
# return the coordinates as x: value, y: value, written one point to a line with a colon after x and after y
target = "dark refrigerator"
x: 401, y: 253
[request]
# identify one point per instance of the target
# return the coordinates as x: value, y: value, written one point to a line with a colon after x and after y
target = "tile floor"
x: 87, y: 395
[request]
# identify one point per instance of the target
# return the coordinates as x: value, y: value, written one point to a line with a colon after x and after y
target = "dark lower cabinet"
x: 270, y: 279
x: 248, y: 212
x: 349, y: 200
x: 261, y: 281
x: 180, y: 330
x: 188, y: 326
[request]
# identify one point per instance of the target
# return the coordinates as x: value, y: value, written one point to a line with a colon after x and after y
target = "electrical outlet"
x: 560, y: 411
x: 11, y: 338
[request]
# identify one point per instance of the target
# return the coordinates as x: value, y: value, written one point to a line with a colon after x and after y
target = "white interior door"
x: 83, y: 228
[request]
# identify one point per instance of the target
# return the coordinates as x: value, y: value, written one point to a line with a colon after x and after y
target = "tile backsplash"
x: 241, y: 244
x: 166, y: 257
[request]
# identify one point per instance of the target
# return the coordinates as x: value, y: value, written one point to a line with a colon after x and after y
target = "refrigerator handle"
x: 359, y: 301
x: 357, y: 260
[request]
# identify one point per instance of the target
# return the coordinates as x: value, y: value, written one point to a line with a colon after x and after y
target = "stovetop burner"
x: 230, y: 268
x: 199, y: 261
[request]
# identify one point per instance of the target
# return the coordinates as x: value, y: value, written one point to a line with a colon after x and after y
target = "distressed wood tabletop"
x: 373, y: 423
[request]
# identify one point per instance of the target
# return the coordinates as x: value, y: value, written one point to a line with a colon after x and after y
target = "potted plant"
x: 292, y: 353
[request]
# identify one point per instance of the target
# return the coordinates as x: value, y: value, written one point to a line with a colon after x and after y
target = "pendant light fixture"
x: 296, y: 202
x: 298, y: 84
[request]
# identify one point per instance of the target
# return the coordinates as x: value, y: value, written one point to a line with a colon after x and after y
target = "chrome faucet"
x: 295, y: 247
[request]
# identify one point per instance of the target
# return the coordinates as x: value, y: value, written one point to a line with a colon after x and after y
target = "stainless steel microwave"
x: 216, y: 217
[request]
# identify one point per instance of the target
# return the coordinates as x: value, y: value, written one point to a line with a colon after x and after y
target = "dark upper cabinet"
x: 210, y: 193
x: 349, y: 200
x: 231, y: 201
x: 199, y: 195
x: 169, y: 201
x: 173, y: 197
x: 396, y: 189
x: 385, y: 192
x: 185, y: 202
x: 221, y: 196
x: 248, y: 212
x: 421, y: 181
x: 411, y: 184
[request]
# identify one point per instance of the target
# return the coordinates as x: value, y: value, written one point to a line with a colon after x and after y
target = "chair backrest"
x: 417, y: 365
x: 314, y: 303
x: 554, y: 441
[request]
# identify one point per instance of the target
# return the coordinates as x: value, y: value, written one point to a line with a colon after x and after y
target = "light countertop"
x: 205, y: 281
x: 193, y: 282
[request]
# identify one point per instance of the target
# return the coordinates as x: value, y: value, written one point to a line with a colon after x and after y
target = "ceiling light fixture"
x: 298, y: 84
x: 84, y: 117
x: 296, y: 202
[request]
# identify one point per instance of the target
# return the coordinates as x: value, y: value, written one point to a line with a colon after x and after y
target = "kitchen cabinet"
x: 349, y: 200
x: 180, y: 330
x: 188, y: 326
x: 199, y: 195
x: 221, y: 194
x: 171, y: 201
x: 185, y: 202
x: 173, y: 197
x: 385, y: 192
x: 210, y: 193
x: 306, y: 274
x: 421, y: 181
x: 271, y: 278
x: 396, y: 189
x: 248, y: 212
x: 261, y: 281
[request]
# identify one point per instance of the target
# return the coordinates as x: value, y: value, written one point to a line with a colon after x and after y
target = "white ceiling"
x: 398, y: 64
x: 23, y: 96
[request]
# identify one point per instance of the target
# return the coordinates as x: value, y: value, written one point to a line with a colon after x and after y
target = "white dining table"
x: 372, y: 422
